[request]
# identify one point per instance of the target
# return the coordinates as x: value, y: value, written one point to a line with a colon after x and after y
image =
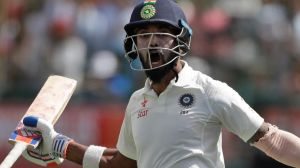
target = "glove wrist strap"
x: 60, y: 145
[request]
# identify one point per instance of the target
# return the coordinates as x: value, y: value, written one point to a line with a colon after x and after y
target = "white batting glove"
x: 53, y: 146
x: 37, y: 156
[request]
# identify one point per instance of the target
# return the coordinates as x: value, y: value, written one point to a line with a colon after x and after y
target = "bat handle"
x: 13, y: 155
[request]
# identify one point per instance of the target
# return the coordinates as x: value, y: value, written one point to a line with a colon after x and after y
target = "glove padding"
x: 53, y: 147
x: 37, y: 156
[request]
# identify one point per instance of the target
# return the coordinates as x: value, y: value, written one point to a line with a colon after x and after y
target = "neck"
x: 161, y: 86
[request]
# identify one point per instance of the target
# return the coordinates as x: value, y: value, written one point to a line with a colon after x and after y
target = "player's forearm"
x: 76, y: 151
x: 281, y: 145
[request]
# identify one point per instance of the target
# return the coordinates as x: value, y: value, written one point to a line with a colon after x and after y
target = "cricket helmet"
x: 160, y: 12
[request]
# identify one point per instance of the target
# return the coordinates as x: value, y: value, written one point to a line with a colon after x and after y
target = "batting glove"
x: 53, y: 146
x: 37, y: 156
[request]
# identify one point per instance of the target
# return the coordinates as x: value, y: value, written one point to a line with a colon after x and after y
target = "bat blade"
x: 49, y: 105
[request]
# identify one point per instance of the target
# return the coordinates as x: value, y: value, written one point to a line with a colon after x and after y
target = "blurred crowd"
x: 80, y: 39
x: 251, y: 45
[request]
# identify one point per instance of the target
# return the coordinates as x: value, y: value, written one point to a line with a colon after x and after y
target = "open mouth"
x: 155, y: 56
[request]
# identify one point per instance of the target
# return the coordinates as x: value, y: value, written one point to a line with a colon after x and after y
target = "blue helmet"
x: 164, y: 12
x: 161, y: 12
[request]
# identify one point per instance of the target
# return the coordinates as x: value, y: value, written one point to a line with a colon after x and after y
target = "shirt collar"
x: 183, y: 78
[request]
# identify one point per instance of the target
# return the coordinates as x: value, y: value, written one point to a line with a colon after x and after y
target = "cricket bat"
x: 49, y: 105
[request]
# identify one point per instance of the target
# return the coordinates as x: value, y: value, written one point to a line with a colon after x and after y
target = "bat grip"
x: 13, y: 155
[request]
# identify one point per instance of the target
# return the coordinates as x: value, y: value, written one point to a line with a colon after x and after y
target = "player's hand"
x: 37, y: 156
x: 53, y: 143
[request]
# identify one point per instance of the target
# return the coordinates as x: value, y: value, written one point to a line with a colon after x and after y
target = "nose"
x: 154, y: 41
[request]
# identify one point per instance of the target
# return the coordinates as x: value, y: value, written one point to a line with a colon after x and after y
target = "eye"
x: 144, y: 35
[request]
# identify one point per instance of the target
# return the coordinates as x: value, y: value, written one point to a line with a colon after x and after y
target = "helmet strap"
x: 176, y: 75
x: 174, y: 71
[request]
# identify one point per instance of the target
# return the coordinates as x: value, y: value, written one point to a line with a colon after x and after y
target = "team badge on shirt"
x: 186, y: 100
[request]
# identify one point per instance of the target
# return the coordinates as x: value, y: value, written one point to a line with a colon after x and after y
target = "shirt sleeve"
x: 232, y: 111
x: 126, y: 144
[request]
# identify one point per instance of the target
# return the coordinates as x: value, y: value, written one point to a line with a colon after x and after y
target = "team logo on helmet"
x: 148, y: 11
x: 186, y: 100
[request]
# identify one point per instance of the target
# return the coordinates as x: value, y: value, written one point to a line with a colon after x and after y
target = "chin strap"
x: 176, y: 75
x: 175, y: 72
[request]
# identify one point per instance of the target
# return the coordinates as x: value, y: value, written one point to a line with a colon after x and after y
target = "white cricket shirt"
x: 182, y: 127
